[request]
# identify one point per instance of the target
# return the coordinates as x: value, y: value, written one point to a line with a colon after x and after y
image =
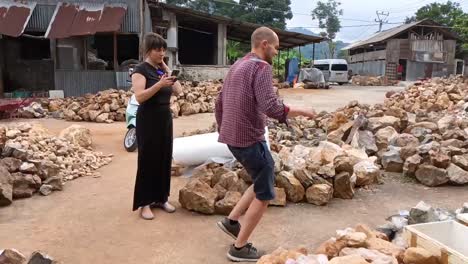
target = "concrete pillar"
x: 172, y: 38
x: 222, y: 44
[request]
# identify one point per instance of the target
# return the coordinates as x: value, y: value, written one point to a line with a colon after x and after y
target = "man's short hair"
x: 261, y: 34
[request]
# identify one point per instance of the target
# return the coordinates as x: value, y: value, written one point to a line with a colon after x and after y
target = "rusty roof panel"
x: 14, y: 16
x: 112, y: 18
x: 85, y: 19
x: 62, y: 21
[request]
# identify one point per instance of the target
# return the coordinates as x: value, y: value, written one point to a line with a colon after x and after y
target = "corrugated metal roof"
x: 85, y: 19
x: 45, y: 9
x: 238, y: 30
x: 387, y: 34
x: 14, y: 16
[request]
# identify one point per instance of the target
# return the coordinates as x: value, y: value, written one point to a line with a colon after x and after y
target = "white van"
x: 334, y: 70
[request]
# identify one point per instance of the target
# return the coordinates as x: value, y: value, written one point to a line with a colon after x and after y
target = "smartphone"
x: 175, y: 73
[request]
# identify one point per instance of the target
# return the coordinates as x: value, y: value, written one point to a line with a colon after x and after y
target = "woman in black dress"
x: 153, y: 89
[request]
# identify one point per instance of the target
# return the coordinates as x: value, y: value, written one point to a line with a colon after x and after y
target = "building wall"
x: 30, y: 75
x: 415, y: 70
x: 368, y: 68
x: 200, y: 73
x: 78, y: 83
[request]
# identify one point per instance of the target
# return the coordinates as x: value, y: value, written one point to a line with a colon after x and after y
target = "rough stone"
x: 411, y: 165
x: 461, y: 161
x: 280, y: 197
x: 198, y: 196
x: 12, y: 164
x: 457, y: 175
x: 6, y: 187
x: 422, y: 213
x: 431, y: 176
x: 384, y: 135
x: 404, y: 140
x: 46, y: 189
x: 56, y: 182
x: 352, y: 259
x: 319, y: 194
x: 366, y: 172
x: 78, y: 135
x: 392, y: 161
x: 419, y: 256
x: 440, y: 160
x: 365, y: 139
x: 373, y: 256
x: 294, y: 190
x: 376, y: 123
x: 344, y: 186
x: 28, y: 168
x: 12, y: 256
x: 225, y: 206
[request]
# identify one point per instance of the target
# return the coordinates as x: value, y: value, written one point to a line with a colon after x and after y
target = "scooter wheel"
x: 130, y: 140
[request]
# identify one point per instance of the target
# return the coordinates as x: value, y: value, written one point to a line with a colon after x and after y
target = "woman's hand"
x: 165, y: 81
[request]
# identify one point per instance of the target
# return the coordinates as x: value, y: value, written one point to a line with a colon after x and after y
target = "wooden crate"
x: 448, y: 239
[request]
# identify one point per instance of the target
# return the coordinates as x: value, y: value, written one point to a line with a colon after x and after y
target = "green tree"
x: 443, y: 13
x: 461, y: 26
x: 327, y: 13
x: 272, y: 13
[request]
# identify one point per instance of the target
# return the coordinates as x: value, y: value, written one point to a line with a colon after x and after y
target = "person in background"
x: 246, y: 100
x: 400, y: 72
x: 153, y: 90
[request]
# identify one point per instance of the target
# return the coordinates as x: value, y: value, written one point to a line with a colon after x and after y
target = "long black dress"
x: 154, y: 137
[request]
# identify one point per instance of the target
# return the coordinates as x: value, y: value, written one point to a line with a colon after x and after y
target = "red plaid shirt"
x: 245, y: 101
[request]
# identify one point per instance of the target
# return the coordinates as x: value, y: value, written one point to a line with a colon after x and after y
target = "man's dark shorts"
x: 259, y: 163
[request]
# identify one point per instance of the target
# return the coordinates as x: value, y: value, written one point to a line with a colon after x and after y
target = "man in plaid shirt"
x: 245, y: 102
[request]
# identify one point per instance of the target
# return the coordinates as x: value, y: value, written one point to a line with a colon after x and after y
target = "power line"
x: 383, y: 19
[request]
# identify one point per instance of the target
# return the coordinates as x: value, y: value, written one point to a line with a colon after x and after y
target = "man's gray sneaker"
x: 231, y: 229
x: 246, y: 254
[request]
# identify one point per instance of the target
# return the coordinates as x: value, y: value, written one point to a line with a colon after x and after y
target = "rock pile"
x: 359, y: 245
x: 110, y: 105
x: 314, y: 175
x: 371, y: 81
x: 13, y: 256
x: 32, y: 160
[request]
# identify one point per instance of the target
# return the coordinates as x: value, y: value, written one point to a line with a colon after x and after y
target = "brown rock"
x: 440, y: 160
x: 244, y: 175
x: 27, y: 167
x: 77, y: 135
x: 419, y: 256
x: 354, y: 239
x: 102, y: 118
x: 225, y: 206
x: 370, y: 233
x: 457, y: 175
x: 392, y: 161
x: 12, y: 256
x: 383, y: 137
x: 280, y: 197
x: 319, y: 194
x: 352, y: 259
x: 305, y: 177
x: 40, y: 258
x: 24, y: 185
x: 408, y: 151
x: 431, y: 176
x: 411, y: 165
x: 6, y: 187
x: 229, y: 181
x: 385, y: 247
x: 376, y: 123
x: 294, y: 190
x: 373, y: 256
x: 366, y: 172
x: 11, y: 164
x: 461, y: 161
x: 331, y: 248
x: 56, y: 182
x: 344, y: 186
x: 343, y: 163
x: 198, y: 196
x: 404, y: 140
x: 93, y: 114
x: 218, y: 172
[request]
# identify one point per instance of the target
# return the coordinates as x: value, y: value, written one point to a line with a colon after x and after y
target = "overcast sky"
x: 364, y: 10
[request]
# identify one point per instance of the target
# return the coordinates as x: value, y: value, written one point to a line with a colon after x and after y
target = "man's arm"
x: 269, y: 102
x: 219, y: 110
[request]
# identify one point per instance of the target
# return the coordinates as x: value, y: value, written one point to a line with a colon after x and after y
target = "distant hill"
x: 321, y: 49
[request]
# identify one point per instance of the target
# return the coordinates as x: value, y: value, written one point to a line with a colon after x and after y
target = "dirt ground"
x: 91, y: 220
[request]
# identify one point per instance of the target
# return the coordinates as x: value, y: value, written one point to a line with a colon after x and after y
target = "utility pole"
x: 381, y: 18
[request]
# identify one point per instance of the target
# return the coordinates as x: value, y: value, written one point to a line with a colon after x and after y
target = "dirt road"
x: 91, y: 220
